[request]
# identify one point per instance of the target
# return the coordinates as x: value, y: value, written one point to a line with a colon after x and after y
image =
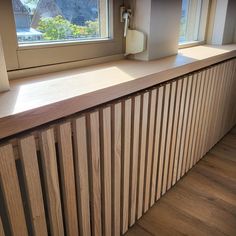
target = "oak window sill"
x: 40, y: 99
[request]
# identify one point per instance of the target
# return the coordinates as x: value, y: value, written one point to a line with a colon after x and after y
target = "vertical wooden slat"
x: 82, y: 175
x: 211, y: 114
x: 174, y: 133
x: 145, y: 104
x: 201, y: 119
x: 166, y: 103
x: 1, y: 228
x: 179, y: 132
x: 169, y: 137
x: 11, y: 191
x: 68, y: 178
x: 95, y: 174
x: 134, y: 158
x: 149, y: 159
x: 157, y: 137
x: 205, y: 113
x: 106, y: 170
x: 49, y: 163
x: 200, y: 106
x: 126, y: 165
x: 116, y: 169
x: 194, y: 122
x: 30, y: 168
x: 189, y: 121
x: 184, y: 127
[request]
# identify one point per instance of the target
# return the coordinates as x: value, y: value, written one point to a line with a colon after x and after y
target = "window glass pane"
x: 190, y: 20
x: 60, y: 20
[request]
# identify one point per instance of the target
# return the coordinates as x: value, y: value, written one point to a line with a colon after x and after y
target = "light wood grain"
x: 142, y: 157
x: 2, y: 233
x: 33, y: 185
x: 68, y: 178
x: 179, y: 132
x: 174, y: 133
x: 134, y: 158
x: 184, y: 126
x: 11, y: 191
x: 82, y: 174
x: 49, y: 162
x: 150, y: 148
x: 157, y: 137
x: 38, y: 100
x: 95, y: 173
x: 169, y: 138
x: 101, y: 175
x: 116, y: 169
x: 126, y: 164
x: 106, y: 171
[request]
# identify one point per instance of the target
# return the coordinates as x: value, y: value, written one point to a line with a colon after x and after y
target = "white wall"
x: 4, y: 84
x: 160, y: 21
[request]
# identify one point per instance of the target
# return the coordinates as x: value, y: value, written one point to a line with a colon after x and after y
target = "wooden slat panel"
x: 204, y: 113
x: 163, y: 139
x: 156, y: 151
x: 184, y: 127
x: 68, y: 178
x: 194, y: 122
x: 201, y: 101
x: 126, y: 165
x: 116, y: 168
x: 81, y: 171
x: 11, y: 191
x: 169, y: 136
x: 106, y: 170
x: 49, y: 163
x: 186, y: 156
x: 1, y: 228
x: 134, y: 158
x: 149, y: 159
x: 142, y: 157
x: 174, y: 132
x: 210, y: 113
x: 179, y: 133
x: 95, y: 173
x: 30, y: 168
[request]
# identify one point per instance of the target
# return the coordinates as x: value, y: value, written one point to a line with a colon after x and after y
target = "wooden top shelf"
x: 40, y: 99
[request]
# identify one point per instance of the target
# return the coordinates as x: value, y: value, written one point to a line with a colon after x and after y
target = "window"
x: 39, y: 33
x: 40, y: 21
x: 193, y: 21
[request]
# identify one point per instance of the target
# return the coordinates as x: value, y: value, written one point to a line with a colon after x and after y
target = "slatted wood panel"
x: 97, y: 172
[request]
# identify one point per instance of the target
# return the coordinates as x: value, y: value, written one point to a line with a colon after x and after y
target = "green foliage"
x: 58, y: 28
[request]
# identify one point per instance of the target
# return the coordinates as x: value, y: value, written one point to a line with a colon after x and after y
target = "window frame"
x: 203, y: 9
x: 26, y: 56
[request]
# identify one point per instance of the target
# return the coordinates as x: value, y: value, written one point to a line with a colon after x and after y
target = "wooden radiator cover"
x: 97, y: 172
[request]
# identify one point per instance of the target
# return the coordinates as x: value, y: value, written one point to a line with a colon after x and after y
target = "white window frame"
x: 202, y: 13
x: 26, y: 56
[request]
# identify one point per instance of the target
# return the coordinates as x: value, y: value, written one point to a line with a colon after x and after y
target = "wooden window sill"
x: 37, y: 100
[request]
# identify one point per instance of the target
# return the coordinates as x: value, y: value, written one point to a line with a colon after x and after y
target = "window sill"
x: 37, y: 100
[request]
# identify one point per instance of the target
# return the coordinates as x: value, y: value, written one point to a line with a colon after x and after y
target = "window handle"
x: 126, y: 17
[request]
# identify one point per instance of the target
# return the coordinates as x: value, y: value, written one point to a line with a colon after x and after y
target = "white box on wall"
x: 4, y: 82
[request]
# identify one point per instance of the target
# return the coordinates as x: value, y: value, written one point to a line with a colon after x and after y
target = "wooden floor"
x: 202, y: 203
